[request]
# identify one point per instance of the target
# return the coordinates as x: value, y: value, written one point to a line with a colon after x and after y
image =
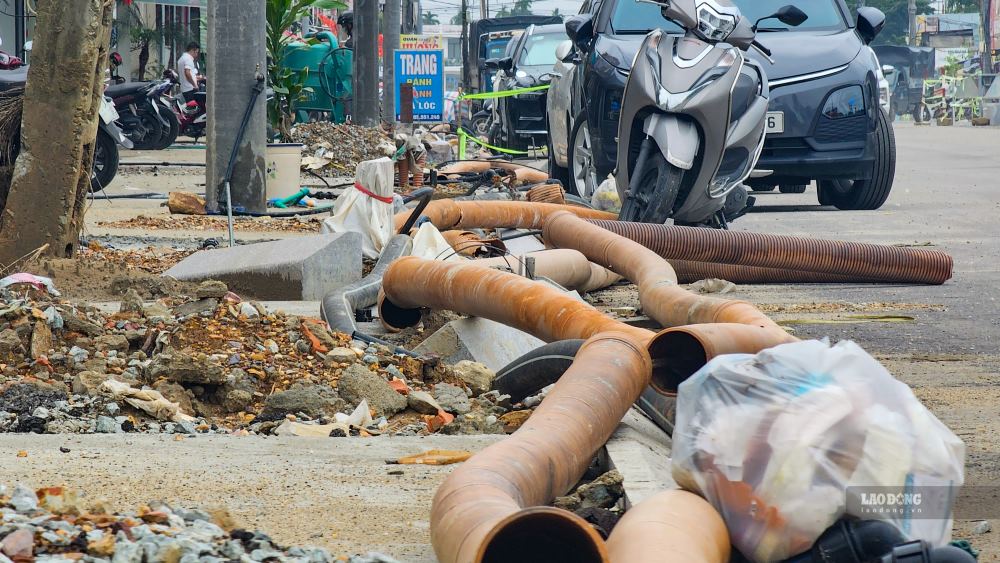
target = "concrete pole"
x: 911, y: 9
x: 236, y: 54
x: 390, y: 42
x: 366, y: 63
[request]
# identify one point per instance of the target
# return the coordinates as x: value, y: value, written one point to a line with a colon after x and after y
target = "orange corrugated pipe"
x: 521, y: 173
x: 487, y: 509
x: 447, y: 214
x: 412, y: 283
x: 670, y: 526
x: 689, y: 272
x: 479, y: 513
x: 668, y: 304
x: 568, y: 268
x: 863, y: 261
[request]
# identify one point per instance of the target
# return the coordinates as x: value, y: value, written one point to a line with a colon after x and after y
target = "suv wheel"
x: 792, y: 188
x: 866, y: 194
x: 583, y: 174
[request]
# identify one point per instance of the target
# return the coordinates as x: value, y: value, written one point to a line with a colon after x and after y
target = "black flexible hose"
x: 424, y: 194
x: 536, y: 370
x: 513, y: 236
x: 541, y: 367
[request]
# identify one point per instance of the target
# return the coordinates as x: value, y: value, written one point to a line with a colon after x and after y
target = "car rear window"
x: 540, y: 49
x: 631, y: 16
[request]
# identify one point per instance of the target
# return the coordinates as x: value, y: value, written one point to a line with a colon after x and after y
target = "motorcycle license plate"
x: 108, y: 112
x: 775, y: 122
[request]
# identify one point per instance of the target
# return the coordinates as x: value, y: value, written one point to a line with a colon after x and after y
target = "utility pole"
x: 51, y: 179
x: 409, y: 12
x: 911, y: 9
x: 482, y: 10
x: 366, y: 70
x: 390, y: 42
x: 236, y: 55
x: 466, y: 78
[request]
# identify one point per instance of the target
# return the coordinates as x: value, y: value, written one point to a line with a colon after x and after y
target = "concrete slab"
x: 480, y: 340
x: 305, y: 268
x: 336, y: 493
x: 640, y: 451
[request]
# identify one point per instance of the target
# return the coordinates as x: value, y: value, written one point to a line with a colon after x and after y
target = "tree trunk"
x: 62, y: 99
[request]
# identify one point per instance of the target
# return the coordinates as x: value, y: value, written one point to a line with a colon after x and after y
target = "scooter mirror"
x: 506, y: 63
x: 791, y: 15
x: 492, y: 64
x: 888, y: 70
x: 564, y: 51
x: 580, y: 29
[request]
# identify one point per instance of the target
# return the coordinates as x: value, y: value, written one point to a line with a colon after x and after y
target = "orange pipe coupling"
x: 670, y: 527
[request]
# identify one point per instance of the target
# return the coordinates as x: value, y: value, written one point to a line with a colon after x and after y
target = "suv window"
x: 540, y: 49
x: 631, y: 16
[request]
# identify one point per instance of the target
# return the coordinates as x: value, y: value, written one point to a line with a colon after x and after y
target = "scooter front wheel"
x: 653, y: 187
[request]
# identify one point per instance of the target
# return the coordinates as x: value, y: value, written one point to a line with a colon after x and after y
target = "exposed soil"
x: 88, y: 279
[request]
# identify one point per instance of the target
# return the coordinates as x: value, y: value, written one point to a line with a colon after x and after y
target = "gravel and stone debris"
x: 54, y: 525
x: 210, y: 362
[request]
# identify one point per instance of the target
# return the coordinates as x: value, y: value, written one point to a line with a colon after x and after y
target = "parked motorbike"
x: 693, y: 116
x: 109, y: 136
x: 146, y: 123
x: 192, y: 114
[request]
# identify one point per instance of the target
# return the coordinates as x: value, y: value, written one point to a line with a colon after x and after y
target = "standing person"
x: 190, y: 81
x: 346, y: 21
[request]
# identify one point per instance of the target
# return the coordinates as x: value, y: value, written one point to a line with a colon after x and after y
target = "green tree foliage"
x: 288, y: 85
x: 430, y: 18
x: 897, y: 20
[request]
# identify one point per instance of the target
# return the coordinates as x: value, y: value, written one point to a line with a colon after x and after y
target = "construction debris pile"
x: 304, y: 224
x: 218, y: 364
x: 336, y: 148
x: 53, y: 524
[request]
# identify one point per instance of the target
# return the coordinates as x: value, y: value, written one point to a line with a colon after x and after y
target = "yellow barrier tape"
x: 502, y: 94
x: 463, y: 134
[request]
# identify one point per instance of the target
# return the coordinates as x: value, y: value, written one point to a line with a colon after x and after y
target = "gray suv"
x: 825, y: 123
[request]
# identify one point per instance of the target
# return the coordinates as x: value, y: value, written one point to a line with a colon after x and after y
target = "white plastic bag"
x: 359, y: 212
x: 785, y: 442
x: 605, y: 197
x: 429, y: 244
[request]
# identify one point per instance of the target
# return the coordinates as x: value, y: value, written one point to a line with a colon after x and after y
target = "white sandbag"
x: 359, y: 212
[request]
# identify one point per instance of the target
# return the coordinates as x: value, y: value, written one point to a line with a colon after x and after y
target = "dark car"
x: 529, y: 63
x: 824, y: 123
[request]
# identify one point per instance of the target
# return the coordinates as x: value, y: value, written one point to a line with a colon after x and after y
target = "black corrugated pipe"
x: 541, y: 367
x: 536, y: 370
x: 424, y: 195
x: 337, y: 307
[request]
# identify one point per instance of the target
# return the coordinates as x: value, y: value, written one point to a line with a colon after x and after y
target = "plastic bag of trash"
x: 606, y: 196
x: 785, y: 442
x: 368, y: 208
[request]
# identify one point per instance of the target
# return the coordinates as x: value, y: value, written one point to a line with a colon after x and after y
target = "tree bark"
x: 62, y: 99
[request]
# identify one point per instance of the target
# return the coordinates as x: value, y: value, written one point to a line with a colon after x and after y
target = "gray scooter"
x: 693, y: 116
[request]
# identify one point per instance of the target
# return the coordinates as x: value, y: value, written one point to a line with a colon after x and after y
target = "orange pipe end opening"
x: 394, y: 317
x: 543, y: 534
x: 677, y: 355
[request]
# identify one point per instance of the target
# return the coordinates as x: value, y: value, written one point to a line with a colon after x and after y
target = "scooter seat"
x: 11, y: 79
x: 127, y: 89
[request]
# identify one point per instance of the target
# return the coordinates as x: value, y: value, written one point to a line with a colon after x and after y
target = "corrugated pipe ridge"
x: 864, y: 261
x: 447, y: 214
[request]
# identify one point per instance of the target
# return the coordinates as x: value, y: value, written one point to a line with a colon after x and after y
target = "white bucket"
x: 283, y: 164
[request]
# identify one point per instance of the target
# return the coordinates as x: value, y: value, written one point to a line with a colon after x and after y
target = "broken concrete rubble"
x: 358, y: 383
x: 313, y: 400
x: 479, y: 340
x: 184, y: 368
x: 452, y: 399
x: 478, y: 377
